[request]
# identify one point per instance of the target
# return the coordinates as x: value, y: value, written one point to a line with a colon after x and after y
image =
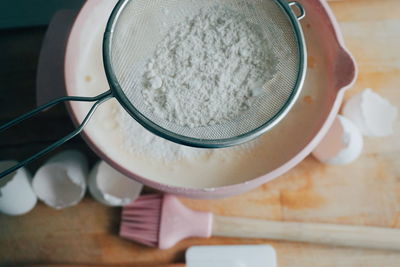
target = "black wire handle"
x: 97, y: 99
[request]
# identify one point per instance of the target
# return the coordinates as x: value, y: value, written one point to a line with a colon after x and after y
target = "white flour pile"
x: 140, y: 141
x: 208, y: 69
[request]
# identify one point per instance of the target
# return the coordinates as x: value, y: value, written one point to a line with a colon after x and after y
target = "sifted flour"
x: 139, y: 140
x: 208, y: 69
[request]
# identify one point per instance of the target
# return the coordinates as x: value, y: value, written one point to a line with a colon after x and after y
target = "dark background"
x: 28, y: 13
x: 22, y: 31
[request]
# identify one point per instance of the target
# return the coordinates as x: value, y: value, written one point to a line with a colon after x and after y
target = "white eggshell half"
x: 112, y: 188
x: 61, y: 182
x: 373, y: 114
x: 16, y: 194
x: 353, y: 144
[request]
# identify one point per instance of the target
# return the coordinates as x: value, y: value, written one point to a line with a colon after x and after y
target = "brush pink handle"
x: 330, y: 234
x: 178, y: 222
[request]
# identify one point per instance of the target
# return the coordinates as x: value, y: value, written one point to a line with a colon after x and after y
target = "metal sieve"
x: 135, y: 28
x: 132, y: 33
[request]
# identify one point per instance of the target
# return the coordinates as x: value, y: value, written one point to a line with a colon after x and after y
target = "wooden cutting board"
x: 366, y: 192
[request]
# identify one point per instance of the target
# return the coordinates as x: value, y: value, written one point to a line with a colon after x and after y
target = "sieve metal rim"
x: 119, y: 94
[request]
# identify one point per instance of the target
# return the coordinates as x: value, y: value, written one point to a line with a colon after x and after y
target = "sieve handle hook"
x: 97, y: 99
x: 302, y: 12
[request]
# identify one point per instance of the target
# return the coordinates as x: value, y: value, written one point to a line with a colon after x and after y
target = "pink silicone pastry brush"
x: 161, y: 220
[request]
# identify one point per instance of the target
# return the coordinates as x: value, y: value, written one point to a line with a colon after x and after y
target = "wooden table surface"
x: 366, y: 192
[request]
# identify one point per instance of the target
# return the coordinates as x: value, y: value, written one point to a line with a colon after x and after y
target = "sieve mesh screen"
x: 140, y: 25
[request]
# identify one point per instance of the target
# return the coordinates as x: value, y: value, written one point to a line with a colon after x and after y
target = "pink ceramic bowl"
x: 331, y: 71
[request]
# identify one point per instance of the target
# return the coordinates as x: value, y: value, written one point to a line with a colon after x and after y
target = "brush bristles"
x: 141, y: 220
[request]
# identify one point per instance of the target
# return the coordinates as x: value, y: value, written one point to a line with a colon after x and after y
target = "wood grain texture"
x: 356, y: 236
x: 366, y: 192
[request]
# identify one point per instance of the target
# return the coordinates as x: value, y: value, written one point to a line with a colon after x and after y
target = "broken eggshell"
x: 342, y: 145
x: 373, y: 114
x: 16, y: 194
x: 61, y: 181
x: 112, y: 188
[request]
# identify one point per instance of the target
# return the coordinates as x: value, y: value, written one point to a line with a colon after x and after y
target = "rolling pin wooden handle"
x: 330, y: 234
